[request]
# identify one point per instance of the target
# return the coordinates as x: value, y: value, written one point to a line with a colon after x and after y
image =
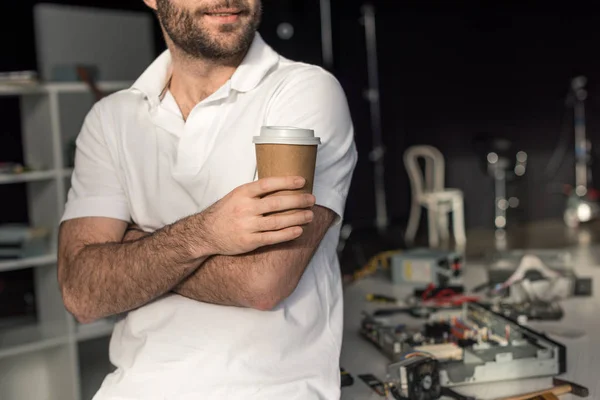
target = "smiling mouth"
x: 224, y: 13
x: 221, y: 14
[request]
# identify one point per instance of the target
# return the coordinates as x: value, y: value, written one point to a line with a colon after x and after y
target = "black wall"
x: 451, y: 70
x: 448, y: 71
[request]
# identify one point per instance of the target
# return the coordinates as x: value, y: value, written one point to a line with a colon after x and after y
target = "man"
x: 220, y: 299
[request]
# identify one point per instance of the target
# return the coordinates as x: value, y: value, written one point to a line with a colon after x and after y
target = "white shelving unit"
x: 53, y: 357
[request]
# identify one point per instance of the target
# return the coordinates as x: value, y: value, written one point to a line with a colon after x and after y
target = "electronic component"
x: 380, y: 298
x: 415, y: 311
x: 391, y: 340
x: 434, y: 291
x: 531, y: 275
x: 583, y: 287
x: 374, y: 383
x: 531, y: 311
x: 422, y: 267
x: 504, y: 350
x: 345, y: 378
x: 442, y: 351
x: 472, y: 345
x: 415, y: 377
x: 438, y: 331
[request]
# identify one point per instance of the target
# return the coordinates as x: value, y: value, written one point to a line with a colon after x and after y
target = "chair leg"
x: 433, y: 222
x: 458, y: 222
x: 413, y: 223
x: 443, y: 226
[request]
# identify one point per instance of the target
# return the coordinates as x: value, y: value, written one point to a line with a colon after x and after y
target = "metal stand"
x: 582, y: 146
x: 383, y: 236
x: 372, y: 95
x: 501, y: 168
x: 326, y: 37
x: 580, y: 208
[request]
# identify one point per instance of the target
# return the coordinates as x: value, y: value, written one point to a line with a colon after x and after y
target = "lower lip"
x: 224, y: 19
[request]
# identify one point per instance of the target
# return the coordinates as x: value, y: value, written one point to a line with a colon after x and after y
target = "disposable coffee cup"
x: 287, y: 151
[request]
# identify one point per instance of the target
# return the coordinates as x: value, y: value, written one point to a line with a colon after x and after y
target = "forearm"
x: 259, y: 279
x: 225, y: 280
x: 218, y: 281
x: 112, y: 278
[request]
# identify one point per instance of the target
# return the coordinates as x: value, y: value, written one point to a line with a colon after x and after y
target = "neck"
x: 193, y: 79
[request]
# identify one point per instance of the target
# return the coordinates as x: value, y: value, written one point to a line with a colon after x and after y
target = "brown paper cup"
x: 284, y: 151
x: 287, y: 160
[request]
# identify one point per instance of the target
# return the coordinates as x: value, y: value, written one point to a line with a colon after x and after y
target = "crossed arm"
x: 126, y: 269
x: 225, y: 279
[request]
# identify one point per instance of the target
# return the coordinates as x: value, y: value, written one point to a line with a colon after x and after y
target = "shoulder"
x: 123, y: 99
x: 116, y: 107
x: 313, y: 79
x: 300, y: 87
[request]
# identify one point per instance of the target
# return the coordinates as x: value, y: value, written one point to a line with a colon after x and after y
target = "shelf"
x: 95, y: 330
x: 33, y: 176
x: 60, y: 87
x: 28, y: 177
x: 20, y: 263
x: 30, y: 338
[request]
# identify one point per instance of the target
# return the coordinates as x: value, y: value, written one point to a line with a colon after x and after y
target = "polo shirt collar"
x: 259, y: 60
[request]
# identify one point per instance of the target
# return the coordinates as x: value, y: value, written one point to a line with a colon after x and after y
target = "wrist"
x: 189, y: 236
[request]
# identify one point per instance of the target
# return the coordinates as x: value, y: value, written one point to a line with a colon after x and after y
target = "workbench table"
x: 581, y: 315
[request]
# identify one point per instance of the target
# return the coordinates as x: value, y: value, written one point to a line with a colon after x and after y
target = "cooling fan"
x: 415, y: 377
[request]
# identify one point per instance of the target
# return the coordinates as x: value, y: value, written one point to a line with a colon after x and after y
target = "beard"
x: 194, y: 37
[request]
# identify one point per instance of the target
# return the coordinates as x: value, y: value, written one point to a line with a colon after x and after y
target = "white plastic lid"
x: 286, y: 135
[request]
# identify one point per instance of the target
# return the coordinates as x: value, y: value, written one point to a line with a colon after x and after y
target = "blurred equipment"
x: 19, y: 78
x: 531, y: 284
x: 536, y: 275
x: 374, y: 383
x: 530, y: 311
x: 345, y: 378
x: 380, y: 261
x: 472, y: 345
x: 424, y: 267
x: 428, y: 191
x: 582, y: 204
x: 560, y: 387
x: 380, y: 298
x: 20, y: 241
x: 415, y: 377
x: 504, y: 164
x: 11, y: 168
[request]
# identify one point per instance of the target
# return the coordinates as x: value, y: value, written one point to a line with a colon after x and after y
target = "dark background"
x: 449, y: 70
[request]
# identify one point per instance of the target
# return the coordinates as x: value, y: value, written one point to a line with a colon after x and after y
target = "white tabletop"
x: 581, y: 314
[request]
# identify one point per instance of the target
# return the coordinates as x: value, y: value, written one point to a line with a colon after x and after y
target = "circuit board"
x: 473, y: 345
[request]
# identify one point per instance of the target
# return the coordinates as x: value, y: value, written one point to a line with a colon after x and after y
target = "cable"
x: 378, y: 260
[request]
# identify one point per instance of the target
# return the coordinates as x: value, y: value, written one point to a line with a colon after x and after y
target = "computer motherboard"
x: 471, y: 345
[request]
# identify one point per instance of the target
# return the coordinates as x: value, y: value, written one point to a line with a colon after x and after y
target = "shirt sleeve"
x: 313, y: 99
x: 96, y: 190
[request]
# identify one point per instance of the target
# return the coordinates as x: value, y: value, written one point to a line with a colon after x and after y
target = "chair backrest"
x: 432, y: 179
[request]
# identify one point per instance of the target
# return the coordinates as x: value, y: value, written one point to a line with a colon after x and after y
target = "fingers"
x: 283, y: 235
x: 274, y: 184
x: 278, y: 222
x: 283, y: 203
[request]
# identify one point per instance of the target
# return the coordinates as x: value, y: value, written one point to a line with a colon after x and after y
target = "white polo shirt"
x: 138, y: 160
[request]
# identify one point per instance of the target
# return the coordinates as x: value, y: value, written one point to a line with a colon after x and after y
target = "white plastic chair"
x: 428, y: 191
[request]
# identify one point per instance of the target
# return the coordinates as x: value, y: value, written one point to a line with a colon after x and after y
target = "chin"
x: 228, y: 40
